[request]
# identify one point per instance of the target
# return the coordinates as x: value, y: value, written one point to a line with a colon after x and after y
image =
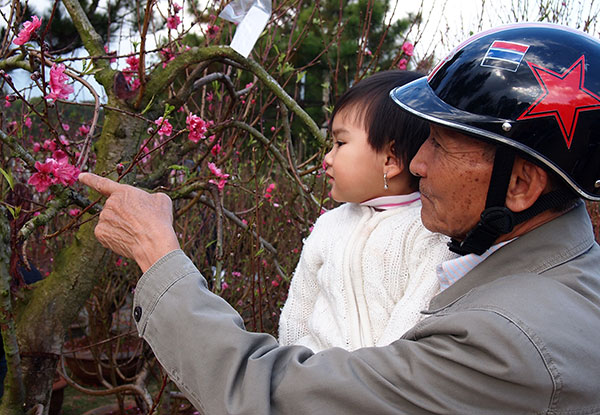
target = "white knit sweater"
x: 362, y: 279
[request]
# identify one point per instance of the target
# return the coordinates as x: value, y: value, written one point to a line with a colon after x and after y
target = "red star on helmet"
x: 563, y: 97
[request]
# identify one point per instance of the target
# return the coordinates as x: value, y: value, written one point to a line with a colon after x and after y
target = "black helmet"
x: 532, y: 86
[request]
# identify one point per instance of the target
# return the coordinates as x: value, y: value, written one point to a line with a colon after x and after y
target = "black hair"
x: 381, y: 117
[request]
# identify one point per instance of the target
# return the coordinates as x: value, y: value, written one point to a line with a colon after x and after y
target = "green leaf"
x: 300, y: 76
x: 179, y: 167
x: 168, y: 109
x: 148, y: 106
x: 9, y: 179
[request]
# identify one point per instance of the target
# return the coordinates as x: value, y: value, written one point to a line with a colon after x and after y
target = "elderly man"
x: 514, y: 114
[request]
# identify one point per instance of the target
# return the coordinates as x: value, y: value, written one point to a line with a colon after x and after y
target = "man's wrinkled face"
x: 455, y: 173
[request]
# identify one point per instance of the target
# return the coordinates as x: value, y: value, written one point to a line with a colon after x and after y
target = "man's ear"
x: 527, y: 183
x: 393, y: 166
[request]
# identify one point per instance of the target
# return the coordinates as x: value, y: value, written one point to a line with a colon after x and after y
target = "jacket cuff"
x: 156, y: 281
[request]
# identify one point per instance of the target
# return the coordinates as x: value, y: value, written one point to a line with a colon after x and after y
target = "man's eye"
x: 434, y: 141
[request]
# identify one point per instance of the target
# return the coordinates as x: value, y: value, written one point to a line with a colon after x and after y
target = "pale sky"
x: 445, y: 24
x: 449, y: 22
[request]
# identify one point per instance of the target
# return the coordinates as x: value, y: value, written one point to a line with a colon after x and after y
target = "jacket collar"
x: 545, y: 247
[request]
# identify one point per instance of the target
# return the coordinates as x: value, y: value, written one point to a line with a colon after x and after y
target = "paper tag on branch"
x: 252, y: 17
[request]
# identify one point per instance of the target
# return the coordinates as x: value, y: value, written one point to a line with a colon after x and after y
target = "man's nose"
x: 417, y: 166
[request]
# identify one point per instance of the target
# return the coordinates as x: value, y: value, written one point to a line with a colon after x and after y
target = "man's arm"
x: 463, y: 363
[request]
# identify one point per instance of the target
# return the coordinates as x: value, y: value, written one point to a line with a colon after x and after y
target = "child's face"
x: 354, y: 169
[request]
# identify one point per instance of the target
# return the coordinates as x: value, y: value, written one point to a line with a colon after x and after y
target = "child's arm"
x: 304, y: 288
x: 422, y: 252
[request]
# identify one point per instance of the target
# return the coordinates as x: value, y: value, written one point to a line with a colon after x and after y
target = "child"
x: 369, y: 266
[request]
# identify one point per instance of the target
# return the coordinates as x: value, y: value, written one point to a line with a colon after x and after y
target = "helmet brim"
x: 418, y: 98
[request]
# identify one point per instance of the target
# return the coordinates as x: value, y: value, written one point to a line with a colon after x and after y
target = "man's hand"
x: 133, y: 223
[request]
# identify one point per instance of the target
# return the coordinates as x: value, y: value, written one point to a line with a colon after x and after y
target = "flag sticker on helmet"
x: 504, y: 55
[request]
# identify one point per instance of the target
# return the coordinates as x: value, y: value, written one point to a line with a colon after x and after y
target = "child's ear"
x: 393, y: 166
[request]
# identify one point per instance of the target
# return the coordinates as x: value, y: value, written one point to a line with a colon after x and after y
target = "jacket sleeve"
x: 467, y: 362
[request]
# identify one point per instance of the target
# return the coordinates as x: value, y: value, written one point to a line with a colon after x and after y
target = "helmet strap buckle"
x: 495, y: 221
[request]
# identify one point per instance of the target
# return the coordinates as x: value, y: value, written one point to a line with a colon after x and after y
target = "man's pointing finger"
x: 102, y: 185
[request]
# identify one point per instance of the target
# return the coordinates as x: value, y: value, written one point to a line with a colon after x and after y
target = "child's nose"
x: 327, y: 160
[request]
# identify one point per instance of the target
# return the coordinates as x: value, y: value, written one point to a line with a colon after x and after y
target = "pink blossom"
x: 408, y: 49
x: 49, y: 145
x: 173, y: 22
x: 7, y: 101
x: 63, y: 140
x: 133, y: 62
x: 135, y: 84
x: 196, y: 126
x: 220, y: 184
x: 112, y: 60
x: 249, y: 85
x: 44, y: 177
x: 27, y: 122
x: 58, y: 88
x: 66, y: 126
x: 64, y: 172
x: 146, y: 158
x: 275, y: 283
x: 167, y: 56
x: 83, y: 130
x: 28, y: 29
x: 224, y: 285
x: 402, y: 64
x: 209, y: 96
x: 272, y: 129
x: 217, y: 172
x: 165, y: 126
x: 269, y: 190
x: 177, y: 7
x: 212, y: 31
x: 37, y: 147
x: 216, y: 149
x: 236, y: 274
x: 74, y: 212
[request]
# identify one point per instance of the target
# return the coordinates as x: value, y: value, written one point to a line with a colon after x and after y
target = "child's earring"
x: 385, y: 183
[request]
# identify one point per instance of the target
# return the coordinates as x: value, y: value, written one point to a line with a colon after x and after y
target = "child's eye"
x: 339, y: 143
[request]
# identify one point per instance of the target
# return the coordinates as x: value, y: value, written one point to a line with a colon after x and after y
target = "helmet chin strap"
x: 497, y: 219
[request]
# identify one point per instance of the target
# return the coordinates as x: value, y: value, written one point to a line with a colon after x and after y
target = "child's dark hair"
x: 383, y: 119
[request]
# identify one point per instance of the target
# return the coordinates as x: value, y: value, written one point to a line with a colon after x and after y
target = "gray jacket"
x: 519, y: 334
